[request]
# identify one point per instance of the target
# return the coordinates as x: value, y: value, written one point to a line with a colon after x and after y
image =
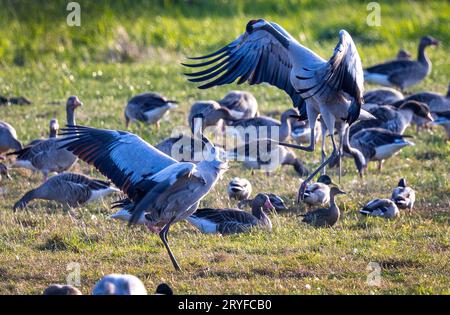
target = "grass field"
x: 122, y: 49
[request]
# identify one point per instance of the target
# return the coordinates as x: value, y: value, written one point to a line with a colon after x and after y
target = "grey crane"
x: 232, y: 221
x: 68, y: 188
x: 384, y: 208
x: 148, y: 108
x: 325, y: 217
x: 159, y: 188
x: 242, y: 104
x: 8, y: 138
x: 403, y: 195
x: 267, y: 53
x: 403, y: 73
x: 47, y: 156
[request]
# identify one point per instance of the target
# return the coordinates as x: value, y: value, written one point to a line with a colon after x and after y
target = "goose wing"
x: 123, y: 157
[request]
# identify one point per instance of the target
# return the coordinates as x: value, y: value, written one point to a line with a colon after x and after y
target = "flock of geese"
x: 165, y: 183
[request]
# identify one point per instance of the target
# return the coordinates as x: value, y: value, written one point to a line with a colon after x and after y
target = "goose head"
x: 336, y: 191
x: 420, y: 109
x: 428, y: 41
x: 73, y: 102
x: 262, y: 201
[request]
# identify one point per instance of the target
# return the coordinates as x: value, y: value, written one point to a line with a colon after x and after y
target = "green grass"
x: 45, y: 60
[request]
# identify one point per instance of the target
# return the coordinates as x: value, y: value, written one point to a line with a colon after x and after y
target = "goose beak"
x: 269, y: 205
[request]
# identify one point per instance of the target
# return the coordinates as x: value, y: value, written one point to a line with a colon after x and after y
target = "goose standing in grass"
x: 241, y: 104
x: 232, y: 221
x: 276, y: 201
x: 403, y: 195
x: 148, y: 108
x: 54, y: 127
x: 8, y: 138
x: 266, y: 52
x: 325, y: 217
x: 377, y: 144
x: 266, y: 155
x: 119, y: 284
x: 70, y: 189
x: 317, y: 193
x: 392, y: 118
x: 48, y: 156
x: 239, y: 188
x: 263, y: 127
x: 211, y: 114
x: 159, y: 188
x: 402, y: 73
x: 383, y: 96
x: 384, y: 208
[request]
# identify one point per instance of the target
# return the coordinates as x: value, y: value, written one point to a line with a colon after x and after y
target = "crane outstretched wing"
x: 121, y: 156
x: 254, y: 58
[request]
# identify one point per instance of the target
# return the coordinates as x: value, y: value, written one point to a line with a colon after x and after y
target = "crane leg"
x: 163, y: 236
x: 321, y: 166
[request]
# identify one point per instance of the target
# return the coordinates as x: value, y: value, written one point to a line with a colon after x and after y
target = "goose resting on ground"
x: 211, y: 114
x: 403, y: 195
x: 267, y: 53
x: 266, y: 155
x: 241, y: 104
x: 325, y: 217
x: 263, y: 127
x: 383, y: 96
x: 384, y: 208
x: 402, y: 73
x: 70, y: 189
x: 232, y: 221
x: 239, y: 188
x: 148, y: 108
x: 8, y: 138
x: 276, y: 201
x: 317, y: 193
x: 160, y: 189
x: 119, y: 284
x: 48, y: 156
